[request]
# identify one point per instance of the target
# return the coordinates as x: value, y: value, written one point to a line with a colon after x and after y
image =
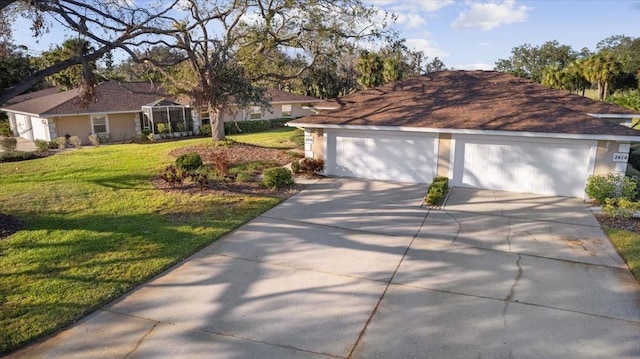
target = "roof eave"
x: 621, y: 138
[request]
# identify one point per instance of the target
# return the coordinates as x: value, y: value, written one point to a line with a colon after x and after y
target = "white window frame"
x: 255, y: 110
x: 106, y: 123
x: 287, y: 110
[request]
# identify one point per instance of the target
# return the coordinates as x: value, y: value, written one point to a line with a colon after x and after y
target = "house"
x: 283, y: 105
x: 480, y: 129
x: 120, y: 109
x: 124, y: 110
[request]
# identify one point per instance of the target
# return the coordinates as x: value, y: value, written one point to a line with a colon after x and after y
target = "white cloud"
x: 410, y: 20
x: 411, y: 5
x: 489, y: 15
x: 426, y: 46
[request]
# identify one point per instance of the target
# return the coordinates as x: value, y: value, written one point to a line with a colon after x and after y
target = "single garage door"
x: 381, y: 155
x: 543, y: 166
x: 23, y: 124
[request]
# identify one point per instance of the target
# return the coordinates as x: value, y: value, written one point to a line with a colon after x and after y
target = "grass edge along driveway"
x: 96, y: 228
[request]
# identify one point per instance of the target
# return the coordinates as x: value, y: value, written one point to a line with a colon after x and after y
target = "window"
x: 99, y: 124
x: 255, y: 113
x: 286, y: 110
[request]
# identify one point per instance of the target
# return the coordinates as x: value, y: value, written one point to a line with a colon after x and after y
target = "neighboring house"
x: 283, y: 105
x: 123, y: 110
x: 480, y: 129
x: 120, y: 109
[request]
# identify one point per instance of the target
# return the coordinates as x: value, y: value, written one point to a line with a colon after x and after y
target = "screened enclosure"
x: 166, y: 117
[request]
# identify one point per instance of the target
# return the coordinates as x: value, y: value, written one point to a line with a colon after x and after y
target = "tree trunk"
x: 605, y: 93
x: 600, y: 90
x: 217, y: 123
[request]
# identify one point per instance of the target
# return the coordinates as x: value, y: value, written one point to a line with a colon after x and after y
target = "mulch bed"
x: 9, y: 225
x: 628, y: 224
x: 237, y: 153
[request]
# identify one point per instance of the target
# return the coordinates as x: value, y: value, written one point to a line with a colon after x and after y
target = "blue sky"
x: 474, y: 34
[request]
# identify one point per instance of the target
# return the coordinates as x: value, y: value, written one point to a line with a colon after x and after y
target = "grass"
x: 628, y: 245
x: 278, y: 138
x: 96, y: 228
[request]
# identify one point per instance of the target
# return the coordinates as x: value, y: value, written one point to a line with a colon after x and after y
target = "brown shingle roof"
x: 110, y: 97
x: 275, y: 95
x: 32, y: 95
x: 473, y: 100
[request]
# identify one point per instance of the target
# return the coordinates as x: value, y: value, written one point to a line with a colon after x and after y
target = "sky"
x: 473, y: 34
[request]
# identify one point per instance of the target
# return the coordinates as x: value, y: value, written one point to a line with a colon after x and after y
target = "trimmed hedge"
x: 437, y: 190
x: 277, y: 177
x: 251, y: 126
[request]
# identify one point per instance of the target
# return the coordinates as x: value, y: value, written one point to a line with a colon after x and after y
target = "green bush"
x: 8, y: 143
x: 298, y: 138
x: 234, y: 128
x: 620, y: 208
x: 42, y: 145
x: 437, y: 190
x: 279, y: 122
x: 277, y: 177
x: 205, y: 130
x: 5, y: 129
x: 15, y: 156
x: 601, y: 187
x: 189, y: 161
x: 53, y: 144
x: 634, y: 159
x: 244, y: 176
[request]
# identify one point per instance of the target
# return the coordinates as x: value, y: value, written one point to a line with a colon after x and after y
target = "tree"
x: 435, y: 65
x: 529, y: 61
x: 600, y: 69
x: 15, y: 65
x: 71, y: 76
x: 370, y: 69
x: 225, y: 67
x: 107, y: 25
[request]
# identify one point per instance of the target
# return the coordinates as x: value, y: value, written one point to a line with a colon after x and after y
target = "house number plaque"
x: 620, y: 157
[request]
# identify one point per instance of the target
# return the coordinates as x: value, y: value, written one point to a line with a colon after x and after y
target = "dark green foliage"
x: 15, y: 156
x: 205, y: 130
x: 8, y: 144
x: 611, y: 186
x: 634, y: 159
x: 42, y: 145
x: 5, y: 130
x: 173, y: 175
x: 298, y: 138
x: 234, y: 128
x: 189, y: 161
x: 437, y: 190
x: 277, y: 177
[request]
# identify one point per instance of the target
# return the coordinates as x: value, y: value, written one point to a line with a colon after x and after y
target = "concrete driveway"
x: 354, y: 268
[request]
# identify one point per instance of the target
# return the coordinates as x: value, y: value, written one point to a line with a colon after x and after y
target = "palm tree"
x: 600, y: 69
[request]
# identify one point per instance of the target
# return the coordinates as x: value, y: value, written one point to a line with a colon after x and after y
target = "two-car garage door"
x: 381, y: 155
x: 544, y: 166
x: 533, y: 165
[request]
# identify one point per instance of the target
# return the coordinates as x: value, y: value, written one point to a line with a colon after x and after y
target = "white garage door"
x: 23, y: 124
x: 554, y: 167
x: 379, y: 155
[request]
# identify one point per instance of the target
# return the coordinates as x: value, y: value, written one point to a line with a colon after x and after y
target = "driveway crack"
x: 509, y: 234
x: 455, y: 238
x: 512, y: 291
x: 139, y: 343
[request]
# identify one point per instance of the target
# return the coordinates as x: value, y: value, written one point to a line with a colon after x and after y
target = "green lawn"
x: 96, y: 228
x: 278, y: 138
x: 628, y: 245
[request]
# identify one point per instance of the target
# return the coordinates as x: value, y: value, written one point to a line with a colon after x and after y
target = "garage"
x: 23, y: 125
x: 543, y: 166
x: 380, y: 155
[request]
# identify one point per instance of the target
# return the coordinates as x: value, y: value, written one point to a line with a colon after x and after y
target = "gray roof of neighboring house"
x: 110, y: 97
x: 472, y: 100
x: 280, y: 96
x: 32, y: 95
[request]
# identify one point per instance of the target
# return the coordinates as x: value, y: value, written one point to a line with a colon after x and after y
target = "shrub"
x: 162, y: 128
x: 437, y: 190
x: 94, y: 140
x: 75, y: 141
x: 8, y: 144
x: 104, y: 137
x: 15, y: 156
x: 279, y: 122
x: 234, y: 128
x: 189, y: 161
x: 244, y: 177
x: 298, y: 138
x: 201, y: 177
x: 296, y: 167
x: 277, y: 177
x: 173, y: 175
x: 601, y: 187
x: 53, y: 144
x: 220, y: 164
x: 620, y: 208
x: 5, y: 129
x: 62, y: 142
x: 205, y: 130
x: 311, y: 165
x: 42, y: 145
x: 634, y: 159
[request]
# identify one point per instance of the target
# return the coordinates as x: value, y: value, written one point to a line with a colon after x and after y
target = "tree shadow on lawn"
x: 61, y: 268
